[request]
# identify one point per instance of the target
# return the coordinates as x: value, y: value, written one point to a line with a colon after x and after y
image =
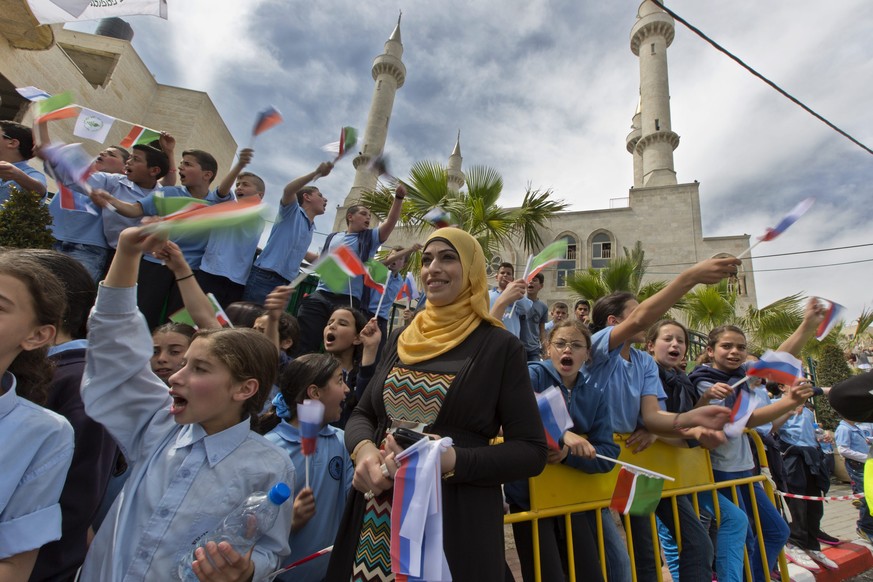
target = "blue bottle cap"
x: 280, y: 493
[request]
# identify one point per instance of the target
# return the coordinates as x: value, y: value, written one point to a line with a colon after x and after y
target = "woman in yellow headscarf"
x: 453, y: 372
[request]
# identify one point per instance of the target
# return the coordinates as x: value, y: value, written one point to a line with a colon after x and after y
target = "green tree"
x: 830, y: 369
x: 474, y: 209
x: 25, y: 222
x: 622, y: 274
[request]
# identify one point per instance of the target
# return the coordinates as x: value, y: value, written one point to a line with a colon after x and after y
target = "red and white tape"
x: 812, y: 498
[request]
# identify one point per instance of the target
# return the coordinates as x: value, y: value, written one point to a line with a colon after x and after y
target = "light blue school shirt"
x: 733, y: 455
x: 330, y: 477
x: 288, y: 241
x: 537, y: 313
x: 395, y: 284
x: 27, y: 169
x: 513, y: 324
x: 761, y: 398
x: 182, y: 482
x: 230, y: 251
x: 853, y: 438
x: 799, y: 430
x: 122, y: 188
x: 77, y: 227
x: 623, y: 382
x: 192, y: 245
x: 36, y: 454
x: 351, y: 240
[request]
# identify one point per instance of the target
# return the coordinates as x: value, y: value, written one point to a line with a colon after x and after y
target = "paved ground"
x: 839, y: 521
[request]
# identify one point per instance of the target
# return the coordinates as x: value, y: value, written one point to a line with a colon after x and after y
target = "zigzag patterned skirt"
x: 409, y: 395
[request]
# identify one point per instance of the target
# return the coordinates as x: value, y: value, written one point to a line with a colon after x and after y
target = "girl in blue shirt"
x: 192, y: 454
x: 568, y: 345
x: 38, y: 444
x: 319, y: 507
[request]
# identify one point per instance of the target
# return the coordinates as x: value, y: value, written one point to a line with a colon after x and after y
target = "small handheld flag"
x: 409, y: 289
x: 348, y: 139
x: 70, y: 164
x: 75, y: 202
x: 208, y: 218
x: 56, y: 107
x: 32, y: 93
x: 548, y: 256
x: 338, y: 267
x: 310, y: 415
x: 779, y: 367
x: 438, y: 217
x: 139, y: 135
x: 93, y: 125
x: 170, y: 205
x: 556, y: 418
x: 835, y: 313
x: 376, y: 276
x: 184, y: 316
x: 268, y: 118
x: 379, y: 166
x: 636, y: 493
x: 788, y: 220
x: 741, y: 411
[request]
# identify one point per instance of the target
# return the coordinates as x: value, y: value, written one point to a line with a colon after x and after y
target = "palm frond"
x: 537, y: 209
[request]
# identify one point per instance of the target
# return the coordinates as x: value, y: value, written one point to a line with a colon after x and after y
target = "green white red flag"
x: 338, y: 267
x: 636, y: 493
x: 205, y: 219
x: 557, y: 251
x: 139, y: 135
x: 56, y: 107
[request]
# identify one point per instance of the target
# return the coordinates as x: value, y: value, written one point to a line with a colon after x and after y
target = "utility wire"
x: 785, y: 268
x: 775, y: 255
x: 739, y: 61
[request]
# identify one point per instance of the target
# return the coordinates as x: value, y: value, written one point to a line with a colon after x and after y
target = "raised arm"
x: 394, y: 214
x: 275, y: 304
x: 289, y: 195
x: 168, y: 146
x: 243, y: 160
x: 649, y: 311
x: 102, y: 198
x: 195, y: 300
x: 813, y: 314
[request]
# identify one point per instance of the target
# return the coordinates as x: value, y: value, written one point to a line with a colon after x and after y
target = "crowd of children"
x: 160, y: 423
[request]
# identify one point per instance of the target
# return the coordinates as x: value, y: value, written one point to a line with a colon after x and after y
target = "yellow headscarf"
x: 436, y: 330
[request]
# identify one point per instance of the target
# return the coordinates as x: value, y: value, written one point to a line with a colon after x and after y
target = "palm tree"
x: 475, y: 209
x: 622, y: 274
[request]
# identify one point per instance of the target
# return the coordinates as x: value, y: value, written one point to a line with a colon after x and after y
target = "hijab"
x: 436, y: 330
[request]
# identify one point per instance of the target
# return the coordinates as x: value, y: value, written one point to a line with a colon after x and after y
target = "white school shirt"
x: 36, y: 454
x: 182, y: 482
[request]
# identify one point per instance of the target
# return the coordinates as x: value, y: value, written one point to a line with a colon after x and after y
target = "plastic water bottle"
x: 819, y: 433
x: 242, y: 527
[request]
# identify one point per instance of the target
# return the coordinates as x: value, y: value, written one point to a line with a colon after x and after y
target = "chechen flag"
x: 139, y: 135
x: 338, y: 267
x: 56, y: 107
x: 348, y: 139
x: 833, y: 316
x: 779, y: 367
x: 205, y: 219
x: 636, y: 493
x: 556, y: 418
x: 310, y: 415
x: 743, y: 406
x: 376, y: 276
x: 550, y: 255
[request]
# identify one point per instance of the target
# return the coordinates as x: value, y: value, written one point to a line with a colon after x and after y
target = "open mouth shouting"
x: 179, y: 403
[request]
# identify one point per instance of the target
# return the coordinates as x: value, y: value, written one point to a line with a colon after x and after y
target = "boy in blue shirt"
x: 288, y: 243
x: 16, y: 147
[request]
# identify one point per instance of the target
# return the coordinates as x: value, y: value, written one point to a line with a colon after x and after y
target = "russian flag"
x: 75, y: 202
x: 556, y: 418
x: 269, y: 117
x: 438, y: 217
x: 835, y: 313
x: 744, y: 405
x: 788, y: 220
x: 310, y: 414
x: 779, y: 367
x: 409, y: 289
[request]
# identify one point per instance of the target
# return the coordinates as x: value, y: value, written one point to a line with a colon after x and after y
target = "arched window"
x: 493, y: 265
x: 601, y: 250
x: 567, y: 267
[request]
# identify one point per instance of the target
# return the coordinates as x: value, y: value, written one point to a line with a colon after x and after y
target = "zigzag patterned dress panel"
x: 409, y: 395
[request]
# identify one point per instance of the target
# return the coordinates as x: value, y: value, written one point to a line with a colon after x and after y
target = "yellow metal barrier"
x: 562, y: 491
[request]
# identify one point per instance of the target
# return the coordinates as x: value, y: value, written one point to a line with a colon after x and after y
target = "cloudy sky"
x: 544, y: 92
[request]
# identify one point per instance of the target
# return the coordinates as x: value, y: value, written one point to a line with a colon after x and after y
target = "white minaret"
x: 389, y: 72
x: 454, y: 174
x: 652, y: 33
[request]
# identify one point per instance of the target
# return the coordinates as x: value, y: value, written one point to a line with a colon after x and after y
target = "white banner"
x: 93, y: 125
x: 52, y: 11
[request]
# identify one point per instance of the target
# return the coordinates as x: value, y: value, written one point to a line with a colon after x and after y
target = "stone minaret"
x: 652, y: 33
x: 453, y: 170
x: 389, y: 72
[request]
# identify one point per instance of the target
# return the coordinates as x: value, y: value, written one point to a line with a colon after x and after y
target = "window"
x: 493, y: 266
x: 566, y: 268
x: 601, y: 250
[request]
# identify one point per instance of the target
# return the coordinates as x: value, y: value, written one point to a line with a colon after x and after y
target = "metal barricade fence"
x: 561, y: 491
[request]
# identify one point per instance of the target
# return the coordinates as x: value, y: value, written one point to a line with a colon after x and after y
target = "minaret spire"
x: 652, y: 33
x: 454, y: 174
x: 389, y: 73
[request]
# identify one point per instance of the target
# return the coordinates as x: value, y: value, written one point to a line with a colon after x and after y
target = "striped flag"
x: 556, y: 418
x: 416, y: 514
x: 348, y: 139
x: 338, y: 267
x: 409, y: 289
x: 779, y: 367
x: 56, y: 107
x: 438, y: 217
x: 376, y: 276
x: 74, y: 201
x: 310, y: 414
x: 550, y: 255
x: 268, y: 118
x: 170, y: 205
x: 93, y: 125
x: 183, y: 316
x: 743, y: 407
x: 69, y: 163
x: 32, y: 93
x: 139, y: 135
x: 835, y: 313
x: 636, y: 493
x: 788, y: 220
x: 208, y: 218
x: 379, y: 166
